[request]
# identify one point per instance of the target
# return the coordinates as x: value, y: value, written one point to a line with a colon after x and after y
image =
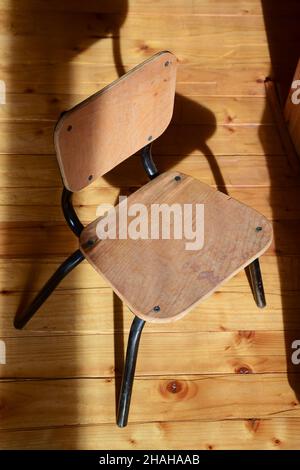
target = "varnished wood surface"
x: 113, y: 124
x: 173, y: 399
x: 252, y: 434
x: 233, y: 384
x: 176, y: 274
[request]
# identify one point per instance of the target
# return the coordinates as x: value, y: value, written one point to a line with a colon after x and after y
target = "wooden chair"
x: 159, y: 280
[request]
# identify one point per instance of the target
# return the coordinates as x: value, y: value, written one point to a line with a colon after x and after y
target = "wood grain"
x: 177, y: 278
x: 136, y: 50
x: 93, y: 355
x: 239, y: 434
x: 92, y: 401
x: 284, y: 202
x: 31, y: 137
x: 197, y: 7
x: 193, y: 109
x: 91, y: 310
x: 135, y: 109
x: 192, y: 79
x: 42, y: 171
x: 248, y: 28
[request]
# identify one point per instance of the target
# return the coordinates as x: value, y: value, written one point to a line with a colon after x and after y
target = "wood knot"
x: 243, y: 370
x: 244, y: 337
x: 178, y: 390
x: 253, y: 424
x: 229, y: 116
x: 246, y: 334
x: 276, y: 441
x: 174, y: 386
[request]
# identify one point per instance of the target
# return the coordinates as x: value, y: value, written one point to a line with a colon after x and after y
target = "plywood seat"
x: 160, y: 280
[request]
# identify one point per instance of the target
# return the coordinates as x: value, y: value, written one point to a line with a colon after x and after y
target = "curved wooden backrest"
x: 113, y: 124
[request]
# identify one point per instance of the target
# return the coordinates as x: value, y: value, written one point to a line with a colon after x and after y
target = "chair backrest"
x: 113, y: 124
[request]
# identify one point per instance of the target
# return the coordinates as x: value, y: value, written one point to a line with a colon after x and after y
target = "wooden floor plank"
x: 97, y: 310
x: 250, y: 434
x: 222, y: 29
x: 94, y: 355
x: 15, y: 273
x: 195, y: 110
x: 240, y: 170
x: 192, y: 79
x: 23, y: 240
x: 199, y: 7
x: 135, y: 50
x: 37, y: 138
x: 40, y: 204
x: 80, y: 306
x: 28, y: 404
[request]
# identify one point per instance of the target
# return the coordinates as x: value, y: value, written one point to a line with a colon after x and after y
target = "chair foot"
x: 256, y: 282
x: 68, y: 265
x: 129, y: 370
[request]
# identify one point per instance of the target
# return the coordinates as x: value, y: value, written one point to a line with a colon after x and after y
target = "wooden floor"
x: 221, y: 378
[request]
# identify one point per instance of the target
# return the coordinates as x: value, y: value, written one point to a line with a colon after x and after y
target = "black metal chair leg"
x: 64, y: 269
x: 255, y: 278
x: 128, y: 374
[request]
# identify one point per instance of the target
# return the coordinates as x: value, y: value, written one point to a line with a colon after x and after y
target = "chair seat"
x: 159, y: 279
